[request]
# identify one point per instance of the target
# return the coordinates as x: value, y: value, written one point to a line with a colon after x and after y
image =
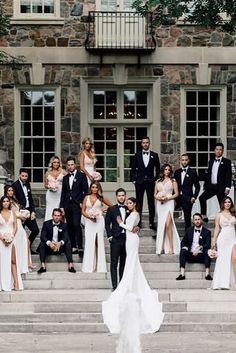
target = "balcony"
x: 119, y: 31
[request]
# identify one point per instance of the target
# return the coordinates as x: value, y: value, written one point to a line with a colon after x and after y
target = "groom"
x: 116, y: 235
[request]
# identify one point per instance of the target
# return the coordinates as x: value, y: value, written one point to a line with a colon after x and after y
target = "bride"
x: 225, y: 239
x: 166, y: 191
x: 133, y: 303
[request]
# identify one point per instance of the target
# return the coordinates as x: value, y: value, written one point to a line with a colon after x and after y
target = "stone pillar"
x: 3, y: 172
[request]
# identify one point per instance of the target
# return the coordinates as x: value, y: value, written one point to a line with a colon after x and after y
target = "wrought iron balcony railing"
x: 119, y: 31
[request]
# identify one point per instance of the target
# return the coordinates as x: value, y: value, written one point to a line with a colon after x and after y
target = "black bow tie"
x: 197, y: 230
x: 121, y: 206
x: 72, y: 174
x: 145, y: 153
x: 55, y: 225
x: 217, y: 159
x: 184, y: 169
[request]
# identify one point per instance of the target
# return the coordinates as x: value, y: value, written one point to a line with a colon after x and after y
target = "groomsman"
x: 117, y: 235
x: 74, y: 188
x: 189, y: 187
x: 194, y: 247
x: 144, y: 172
x: 25, y: 199
x: 218, y: 179
x: 55, y: 240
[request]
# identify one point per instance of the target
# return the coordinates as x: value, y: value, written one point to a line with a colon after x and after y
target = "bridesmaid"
x: 94, y: 252
x: 88, y: 160
x: 166, y: 191
x: 8, y: 258
x: 21, y: 241
x: 53, y: 184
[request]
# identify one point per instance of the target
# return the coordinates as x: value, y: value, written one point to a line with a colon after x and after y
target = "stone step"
x: 74, y: 327
x: 106, y: 284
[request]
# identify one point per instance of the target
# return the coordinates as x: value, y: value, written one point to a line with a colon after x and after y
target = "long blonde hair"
x: 52, y: 159
x: 92, y: 150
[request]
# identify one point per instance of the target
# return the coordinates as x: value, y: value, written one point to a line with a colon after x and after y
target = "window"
x: 37, y: 131
x: 36, y: 9
x: 203, y: 126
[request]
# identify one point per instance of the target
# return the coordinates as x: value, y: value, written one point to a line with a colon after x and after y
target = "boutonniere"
x: 151, y: 156
x: 28, y: 190
x: 59, y: 230
x: 75, y: 180
x: 127, y: 211
x: 187, y: 175
x: 221, y: 162
x: 200, y: 237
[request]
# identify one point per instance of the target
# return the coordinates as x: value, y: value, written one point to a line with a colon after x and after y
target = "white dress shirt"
x: 25, y: 191
x: 71, y: 178
x: 146, y: 157
x: 55, y: 234
x: 183, y: 174
x: 122, y: 212
x: 214, y: 171
x: 196, y: 236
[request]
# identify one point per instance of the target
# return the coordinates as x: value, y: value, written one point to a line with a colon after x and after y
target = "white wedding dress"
x: 94, y: 250
x: 133, y: 303
x: 53, y: 197
x: 89, y: 166
x: 224, y: 275
x: 21, y: 244
x: 163, y: 210
x: 6, y: 280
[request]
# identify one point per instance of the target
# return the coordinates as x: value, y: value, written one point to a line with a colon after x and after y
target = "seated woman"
x: 9, y: 267
x: 94, y: 251
x: 166, y: 191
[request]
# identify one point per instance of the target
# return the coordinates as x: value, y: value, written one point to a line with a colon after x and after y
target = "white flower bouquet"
x: 94, y: 213
x: 24, y: 213
x: 96, y: 176
x: 8, y: 238
x: 53, y: 185
x: 212, y: 253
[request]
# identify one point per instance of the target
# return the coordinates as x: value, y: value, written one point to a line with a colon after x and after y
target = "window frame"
x: 17, y: 124
x: 223, y: 114
x: 36, y: 18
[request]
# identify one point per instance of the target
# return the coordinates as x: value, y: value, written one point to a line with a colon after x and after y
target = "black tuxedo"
x: 31, y: 224
x: 47, y: 235
x: 190, y: 188
x: 117, y: 244
x: 224, y: 180
x: 186, y: 243
x: 70, y: 201
x: 144, y: 179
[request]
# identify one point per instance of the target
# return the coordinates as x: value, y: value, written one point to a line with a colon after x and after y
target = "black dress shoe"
x: 75, y: 252
x: 152, y: 226
x: 81, y: 252
x: 180, y: 278
x: 154, y: 236
x: 33, y: 252
x: 205, y: 219
x: 72, y: 270
x: 42, y: 270
x: 208, y: 278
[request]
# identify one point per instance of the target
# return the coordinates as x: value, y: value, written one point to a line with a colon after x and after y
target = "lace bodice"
x: 165, y: 188
x: 227, y: 222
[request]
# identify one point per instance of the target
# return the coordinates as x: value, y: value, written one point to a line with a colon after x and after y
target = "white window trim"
x: 223, y: 112
x: 17, y: 126
x: 23, y: 18
x: 154, y: 112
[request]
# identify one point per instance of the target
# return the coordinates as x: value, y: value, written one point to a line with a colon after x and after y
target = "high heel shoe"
x: 171, y: 252
x: 32, y: 266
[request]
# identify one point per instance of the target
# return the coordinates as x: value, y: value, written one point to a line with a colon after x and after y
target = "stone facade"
x: 72, y: 33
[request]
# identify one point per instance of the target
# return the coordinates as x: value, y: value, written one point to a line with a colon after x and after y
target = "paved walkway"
x: 106, y: 343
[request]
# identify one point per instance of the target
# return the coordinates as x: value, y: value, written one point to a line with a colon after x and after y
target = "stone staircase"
x: 59, y: 301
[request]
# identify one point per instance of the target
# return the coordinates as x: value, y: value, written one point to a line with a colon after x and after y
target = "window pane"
x: 203, y: 145
x: 38, y: 175
x: 110, y: 161
x: 191, y: 98
x: 203, y: 114
x: 203, y: 98
x: 129, y: 97
x: 99, y: 147
x: 26, y: 98
x: 111, y: 97
x: 98, y: 112
x: 49, y: 145
x: 129, y: 133
x: 214, y: 113
x: 99, y: 97
x: 111, y: 148
x: 215, y: 98
x: 49, y: 129
x: 203, y: 129
x: 111, y: 112
x: 38, y: 129
x: 203, y: 159
x: 111, y: 133
x: 37, y: 113
x: 27, y: 145
x: 129, y: 112
x: 191, y: 114
x: 191, y: 129
x: 38, y: 145
x: 127, y: 161
x: 99, y: 134
x: 141, y: 132
x: 37, y: 98
x: 141, y: 112
x: 141, y: 97
x: 26, y: 129
x: 49, y: 113
x: 49, y: 98
x: 26, y: 160
x: 48, y: 6
x: 37, y: 6
x: 191, y: 144
x: 129, y: 148
x: 26, y: 113
x: 111, y: 175
x: 126, y: 175
x: 25, y: 6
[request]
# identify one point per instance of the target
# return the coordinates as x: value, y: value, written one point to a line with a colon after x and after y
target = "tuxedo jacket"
x: 191, y: 180
x: 224, y: 176
x: 140, y: 173
x: 75, y: 195
x: 47, y: 232
x: 204, y: 239
x: 112, y: 227
x: 21, y: 196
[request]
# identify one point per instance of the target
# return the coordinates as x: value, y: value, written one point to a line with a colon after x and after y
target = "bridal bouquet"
x: 94, y: 213
x: 96, y: 176
x: 53, y: 185
x: 24, y: 213
x: 161, y: 195
x: 8, y: 238
x: 212, y: 253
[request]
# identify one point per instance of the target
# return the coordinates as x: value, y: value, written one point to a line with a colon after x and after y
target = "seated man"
x: 194, y: 247
x: 55, y: 240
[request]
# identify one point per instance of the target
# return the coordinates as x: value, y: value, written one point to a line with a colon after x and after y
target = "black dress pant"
x: 118, y: 253
x: 149, y: 188
x: 207, y: 194
x: 33, y: 227
x: 73, y: 219
x: 187, y: 210
x: 187, y: 256
x: 45, y: 250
